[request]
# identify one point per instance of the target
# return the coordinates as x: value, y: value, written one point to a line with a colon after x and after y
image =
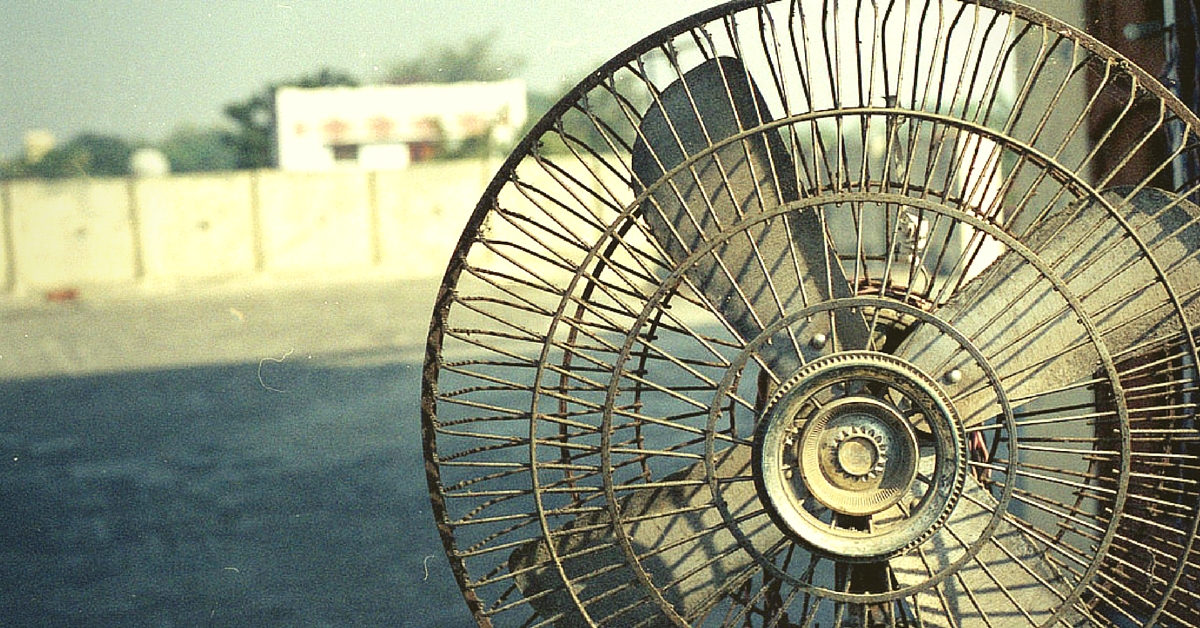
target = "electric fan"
x: 807, y: 313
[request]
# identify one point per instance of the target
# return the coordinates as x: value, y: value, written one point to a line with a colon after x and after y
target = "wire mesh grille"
x: 641, y: 283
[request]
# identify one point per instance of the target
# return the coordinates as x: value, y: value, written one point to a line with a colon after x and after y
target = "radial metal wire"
x: 807, y: 313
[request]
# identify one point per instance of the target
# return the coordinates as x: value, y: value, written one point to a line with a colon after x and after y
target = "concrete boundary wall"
x: 173, y: 231
x: 70, y: 233
x: 196, y: 227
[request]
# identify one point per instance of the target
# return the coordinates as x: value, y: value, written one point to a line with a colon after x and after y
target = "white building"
x: 388, y: 126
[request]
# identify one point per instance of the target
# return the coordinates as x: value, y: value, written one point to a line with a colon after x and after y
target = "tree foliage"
x: 473, y: 59
x: 86, y: 155
x: 191, y: 149
x: 253, y: 118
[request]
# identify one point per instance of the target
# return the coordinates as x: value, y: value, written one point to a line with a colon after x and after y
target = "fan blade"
x: 756, y: 272
x: 1023, y: 325
x: 682, y: 542
x: 751, y: 280
x: 1009, y: 577
x: 1039, y: 349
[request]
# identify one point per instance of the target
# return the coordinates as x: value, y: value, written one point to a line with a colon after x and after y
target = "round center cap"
x: 857, y: 456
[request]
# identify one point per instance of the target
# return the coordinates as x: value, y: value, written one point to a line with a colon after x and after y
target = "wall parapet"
x: 181, y: 229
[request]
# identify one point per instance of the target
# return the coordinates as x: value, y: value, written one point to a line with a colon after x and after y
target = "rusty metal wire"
x: 640, y: 285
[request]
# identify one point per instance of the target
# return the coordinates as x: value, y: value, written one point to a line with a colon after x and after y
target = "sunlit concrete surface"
x: 235, y: 456
x: 256, y: 321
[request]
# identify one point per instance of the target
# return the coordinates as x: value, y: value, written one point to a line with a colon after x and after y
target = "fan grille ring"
x: 482, y: 494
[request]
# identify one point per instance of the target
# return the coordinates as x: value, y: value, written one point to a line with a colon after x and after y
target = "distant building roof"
x: 317, y: 128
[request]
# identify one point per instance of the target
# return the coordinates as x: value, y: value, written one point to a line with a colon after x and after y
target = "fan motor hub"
x: 857, y: 455
x: 839, y: 449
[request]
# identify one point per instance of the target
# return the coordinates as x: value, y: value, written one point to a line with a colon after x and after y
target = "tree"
x: 86, y: 155
x: 474, y: 59
x: 254, y: 118
x: 192, y: 149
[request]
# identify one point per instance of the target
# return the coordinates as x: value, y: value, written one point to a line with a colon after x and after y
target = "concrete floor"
x: 257, y: 320
x: 244, y: 456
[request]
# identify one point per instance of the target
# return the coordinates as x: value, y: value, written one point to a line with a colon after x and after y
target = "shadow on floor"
x: 269, y: 494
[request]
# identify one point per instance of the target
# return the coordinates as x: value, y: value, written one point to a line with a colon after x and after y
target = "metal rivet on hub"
x: 818, y: 341
x: 954, y: 376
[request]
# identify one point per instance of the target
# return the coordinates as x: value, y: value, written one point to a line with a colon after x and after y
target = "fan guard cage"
x: 593, y: 408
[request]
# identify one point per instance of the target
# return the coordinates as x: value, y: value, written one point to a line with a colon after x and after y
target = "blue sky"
x: 141, y: 68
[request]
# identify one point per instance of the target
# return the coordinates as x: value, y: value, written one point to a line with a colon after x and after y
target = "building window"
x: 345, y: 152
x: 422, y: 151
